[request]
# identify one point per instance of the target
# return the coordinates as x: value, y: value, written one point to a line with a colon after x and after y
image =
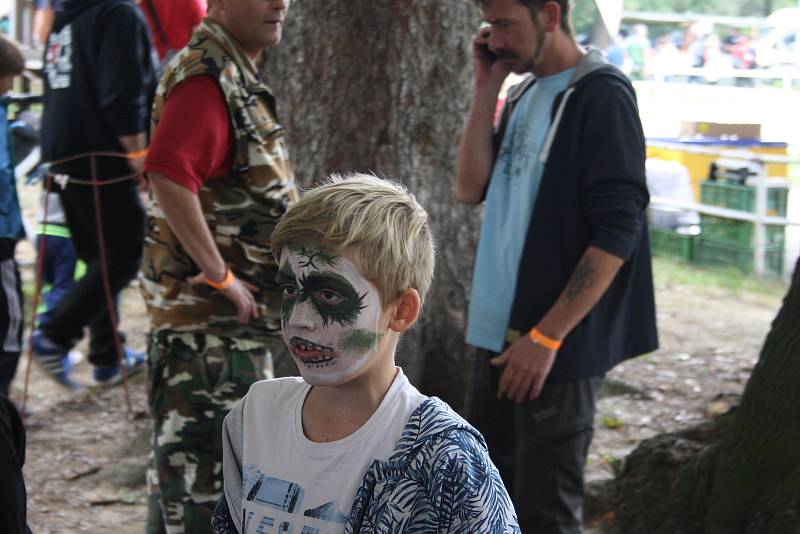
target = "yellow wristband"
x: 540, y: 339
x: 224, y: 283
x: 139, y: 154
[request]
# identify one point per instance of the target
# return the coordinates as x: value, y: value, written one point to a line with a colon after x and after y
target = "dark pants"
x: 58, y: 271
x: 11, y: 320
x: 539, y: 446
x: 85, y: 304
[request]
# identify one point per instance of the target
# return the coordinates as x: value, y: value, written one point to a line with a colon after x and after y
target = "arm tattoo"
x: 581, y: 279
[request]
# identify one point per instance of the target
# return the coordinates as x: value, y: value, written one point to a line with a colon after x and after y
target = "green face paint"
x: 360, y: 340
x: 286, y: 281
x: 313, y: 257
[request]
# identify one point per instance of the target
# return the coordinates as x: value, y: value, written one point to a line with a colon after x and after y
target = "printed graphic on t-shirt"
x: 58, y: 59
x: 273, y: 505
x: 516, y: 156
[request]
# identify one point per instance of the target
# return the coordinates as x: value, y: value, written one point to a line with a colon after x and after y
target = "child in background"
x: 352, y: 445
x: 11, y: 229
x: 61, y: 268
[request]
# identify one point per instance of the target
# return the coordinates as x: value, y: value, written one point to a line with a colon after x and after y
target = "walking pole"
x: 36, y: 293
x: 112, y: 314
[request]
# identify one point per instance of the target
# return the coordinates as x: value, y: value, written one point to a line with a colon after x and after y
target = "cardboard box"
x: 720, y: 130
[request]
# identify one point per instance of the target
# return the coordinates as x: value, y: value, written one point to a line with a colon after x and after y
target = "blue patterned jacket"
x: 10, y: 214
x: 438, y: 479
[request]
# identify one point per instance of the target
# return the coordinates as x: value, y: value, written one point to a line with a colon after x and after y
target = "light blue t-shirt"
x: 507, y: 213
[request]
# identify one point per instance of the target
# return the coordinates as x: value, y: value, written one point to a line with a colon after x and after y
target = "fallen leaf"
x: 612, y: 423
x: 717, y: 408
x: 75, y: 475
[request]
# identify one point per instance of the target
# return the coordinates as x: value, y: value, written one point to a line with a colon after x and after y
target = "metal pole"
x: 760, y: 241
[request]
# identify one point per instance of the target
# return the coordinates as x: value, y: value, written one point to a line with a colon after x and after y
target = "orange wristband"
x: 139, y: 154
x: 540, y: 339
x: 224, y: 283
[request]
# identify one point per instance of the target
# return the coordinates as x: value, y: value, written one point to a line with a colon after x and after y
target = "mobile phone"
x: 485, y: 31
x: 489, y: 53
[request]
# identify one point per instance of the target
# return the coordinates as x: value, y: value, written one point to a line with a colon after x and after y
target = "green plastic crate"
x: 715, y: 254
x: 738, y: 233
x: 742, y: 197
x: 671, y: 244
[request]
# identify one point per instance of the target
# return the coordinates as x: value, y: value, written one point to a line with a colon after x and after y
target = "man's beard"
x: 529, y: 64
x: 537, y: 51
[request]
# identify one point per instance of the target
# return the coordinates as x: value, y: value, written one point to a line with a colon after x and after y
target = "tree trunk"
x: 739, y: 474
x: 384, y: 86
x: 757, y: 476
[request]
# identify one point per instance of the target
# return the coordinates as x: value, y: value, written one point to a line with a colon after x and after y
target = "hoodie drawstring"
x: 551, y: 133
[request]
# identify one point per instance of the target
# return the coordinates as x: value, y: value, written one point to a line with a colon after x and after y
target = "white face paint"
x: 330, y: 314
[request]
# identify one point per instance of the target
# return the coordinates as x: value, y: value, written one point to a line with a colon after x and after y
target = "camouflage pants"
x: 194, y: 380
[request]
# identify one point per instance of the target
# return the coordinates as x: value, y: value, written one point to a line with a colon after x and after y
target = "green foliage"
x: 584, y: 16
x: 740, y: 8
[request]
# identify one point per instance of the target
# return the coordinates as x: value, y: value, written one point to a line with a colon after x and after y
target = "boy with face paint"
x: 352, y: 446
x: 330, y: 315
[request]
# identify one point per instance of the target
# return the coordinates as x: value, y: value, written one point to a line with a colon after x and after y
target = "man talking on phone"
x: 562, y: 288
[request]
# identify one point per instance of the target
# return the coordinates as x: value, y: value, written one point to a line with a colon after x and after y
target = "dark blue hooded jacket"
x: 593, y: 193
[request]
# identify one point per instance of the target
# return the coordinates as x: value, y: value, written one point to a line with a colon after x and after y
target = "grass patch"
x: 673, y: 272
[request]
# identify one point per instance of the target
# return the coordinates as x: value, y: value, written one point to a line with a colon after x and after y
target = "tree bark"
x: 738, y: 474
x: 757, y: 474
x: 384, y: 86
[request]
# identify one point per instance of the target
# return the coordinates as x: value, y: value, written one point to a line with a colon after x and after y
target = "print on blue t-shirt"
x: 509, y: 203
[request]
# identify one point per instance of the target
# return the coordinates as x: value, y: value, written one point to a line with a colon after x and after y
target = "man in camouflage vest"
x: 221, y: 180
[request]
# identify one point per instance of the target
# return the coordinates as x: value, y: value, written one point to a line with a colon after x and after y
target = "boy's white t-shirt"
x: 292, y: 484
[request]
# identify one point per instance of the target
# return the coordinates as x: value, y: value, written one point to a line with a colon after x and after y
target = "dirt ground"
x: 710, y: 339
x: 86, y: 453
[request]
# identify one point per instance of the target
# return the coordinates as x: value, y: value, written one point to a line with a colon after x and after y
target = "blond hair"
x: 378, y: 221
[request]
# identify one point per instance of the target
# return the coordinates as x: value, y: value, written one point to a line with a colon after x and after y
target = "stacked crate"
x: 727, y: 242
x: 671, y: 244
